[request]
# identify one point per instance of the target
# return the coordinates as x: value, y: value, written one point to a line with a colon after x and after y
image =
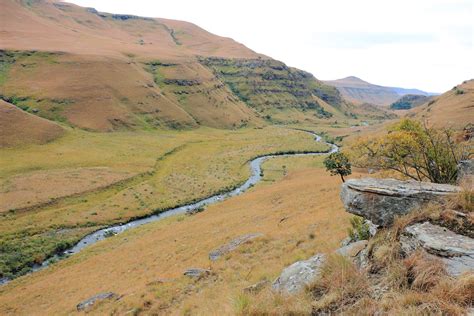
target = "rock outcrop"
x: 381, y: 200
x: 85, y: 305
x: 301, y: 273
x: 456, y: 251
x: 232, y: 245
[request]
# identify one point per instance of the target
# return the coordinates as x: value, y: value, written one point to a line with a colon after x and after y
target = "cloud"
x: 357, y: 40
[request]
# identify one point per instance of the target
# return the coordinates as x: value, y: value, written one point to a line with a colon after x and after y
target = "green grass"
x: 173, y: 168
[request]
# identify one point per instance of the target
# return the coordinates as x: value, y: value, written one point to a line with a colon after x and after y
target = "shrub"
x: 414, y: 150
x: 359, y: 229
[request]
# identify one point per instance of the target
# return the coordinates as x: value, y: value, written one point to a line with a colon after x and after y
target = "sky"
x: 424, y: 44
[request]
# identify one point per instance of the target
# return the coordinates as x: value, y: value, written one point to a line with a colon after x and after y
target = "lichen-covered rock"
x: 84, y: 305
x: 381, y: 200
x: 298, y: 275
x: 232, y: 245
x: 456, y: 251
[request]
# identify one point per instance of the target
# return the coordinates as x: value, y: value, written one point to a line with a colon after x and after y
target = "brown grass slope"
x: 19, y: 128
x: 77, y: 81
x: 454, y: 108
x: 57, y: 26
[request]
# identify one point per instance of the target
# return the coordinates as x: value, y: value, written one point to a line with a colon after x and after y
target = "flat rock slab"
x: 84, y: 305
x: 298, y: 275
x: 216, y: 254
x: 457, y: 251
x: 381, y: 200
x: 197, y: 272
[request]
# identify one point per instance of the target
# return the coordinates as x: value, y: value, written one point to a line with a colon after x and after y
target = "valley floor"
x: 86, y: 181
x: 296, y: 208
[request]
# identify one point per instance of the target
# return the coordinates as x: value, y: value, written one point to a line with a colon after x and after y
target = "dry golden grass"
x: 37, y: 187
x: 18, y: 128
x: 454, y: 108
x: 299, y: 215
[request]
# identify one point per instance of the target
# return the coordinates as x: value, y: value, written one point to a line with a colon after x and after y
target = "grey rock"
x: 197, y: 272
x: 459, y: 265
x: 298, y: 275
x: 465, y: 171
x: 372, y: 227
x: 456, y: 251
x: 216, y: 254
x: 381, y: 200
x: 84, y: 305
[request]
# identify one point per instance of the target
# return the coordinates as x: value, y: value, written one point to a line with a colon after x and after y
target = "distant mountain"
x: 359, y: 91
x: 409, y: 101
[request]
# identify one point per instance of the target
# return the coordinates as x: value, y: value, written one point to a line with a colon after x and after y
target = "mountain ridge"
x: 360, y: 91
x: 61, y: 61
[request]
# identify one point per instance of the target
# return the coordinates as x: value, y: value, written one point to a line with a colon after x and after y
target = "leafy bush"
x: 414, y: 150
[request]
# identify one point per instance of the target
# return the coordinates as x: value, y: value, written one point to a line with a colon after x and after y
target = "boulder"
x: 216, y: 254
x: 197, y: 273
x: 456, y: 251
x: 298, y: 275
x: 84, y: 305
x: 381, y: 200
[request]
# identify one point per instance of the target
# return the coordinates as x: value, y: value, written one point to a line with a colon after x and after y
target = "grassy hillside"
x: 19, y: 128
x: 62, y: 63
x: 454, y: 108
x: 269, y: 86
x: 409, y: 101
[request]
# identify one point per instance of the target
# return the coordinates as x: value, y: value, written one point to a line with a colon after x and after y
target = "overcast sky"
x: 425, y: 44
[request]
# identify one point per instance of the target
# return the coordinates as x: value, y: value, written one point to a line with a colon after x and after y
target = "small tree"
x: 338, y: 164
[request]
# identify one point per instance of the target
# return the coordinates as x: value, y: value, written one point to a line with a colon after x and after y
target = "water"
x: 255, y: 177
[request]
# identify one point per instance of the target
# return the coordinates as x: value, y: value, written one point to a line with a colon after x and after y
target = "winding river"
x: 256, y: 176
